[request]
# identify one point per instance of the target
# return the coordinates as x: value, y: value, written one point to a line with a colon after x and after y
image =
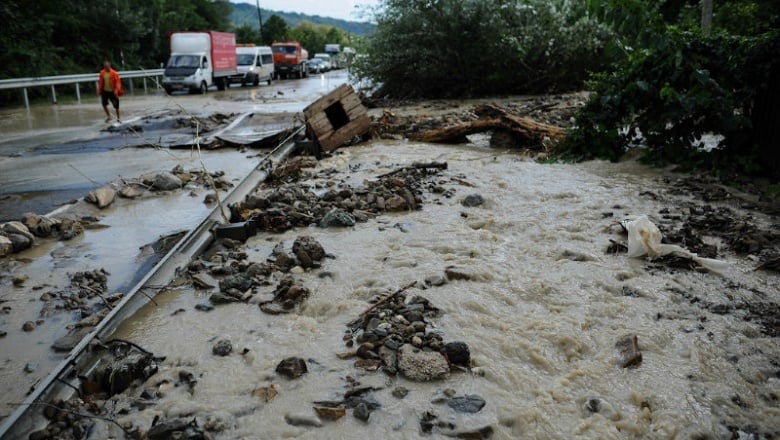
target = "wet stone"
x: 361, y: 412
x: 28, y: 326
x: 166, y: 181
x: 102, y: 197
x: 223, y: 347
x: 6, y: 246
x: 400, y: 392
x: 472, y: 200
x: 219, y: 298
x: 19, y: 242
x: 337, y: 218
x: 458, y: 353
x: 19, y: 279
x: 204, y: 307
x: 422, y: 366
x: 470, y: 403
x: 292, y: 367
x: 239, y: 282
x: 303, y: 420
x: 330, y: 414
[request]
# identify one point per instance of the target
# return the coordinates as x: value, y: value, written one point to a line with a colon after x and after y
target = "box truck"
x: 290, y: 59
x: 199, y: 60
x: 255, y: 64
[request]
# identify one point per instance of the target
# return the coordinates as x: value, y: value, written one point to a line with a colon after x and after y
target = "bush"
x: 684, y: 85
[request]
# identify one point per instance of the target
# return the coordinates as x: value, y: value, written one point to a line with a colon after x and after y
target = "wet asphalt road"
x: 53, y: 153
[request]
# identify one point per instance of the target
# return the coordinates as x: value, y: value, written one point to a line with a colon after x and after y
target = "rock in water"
x: 628, y: 352
x: 102, y: 197
x: 423, y: 366
x: 19, y: 242
x: 302, y: 420
x: 326, y: 413
x: 239, y: 282
x: 223, y: 347
x: 470, y: 403
x: 292, y: 367
x: 458, y: 353
x: 166, y: 181
x: 130, y: 192
x: 17, y: 228
x: 472, y: 200
x: 6, y: 246
x: 337, y: 217
x: 362, y: 412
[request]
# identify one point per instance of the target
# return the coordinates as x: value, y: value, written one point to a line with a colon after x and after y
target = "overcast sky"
x: 344, y: 9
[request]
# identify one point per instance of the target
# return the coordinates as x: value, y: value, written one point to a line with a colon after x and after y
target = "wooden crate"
x: 336, y: 118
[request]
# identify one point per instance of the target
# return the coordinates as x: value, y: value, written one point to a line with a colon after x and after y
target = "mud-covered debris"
x: 330, y: 414
x: 628, y: 352
x: 267, y: 393
x: 287, y: 295
x: 101, y: 197
x: 121, y: 364
x: 184, y: 429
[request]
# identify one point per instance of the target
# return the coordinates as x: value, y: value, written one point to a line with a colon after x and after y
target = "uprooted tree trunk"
x: 528, y: 132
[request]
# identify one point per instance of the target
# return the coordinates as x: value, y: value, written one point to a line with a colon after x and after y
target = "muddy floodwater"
x: 542, y: 311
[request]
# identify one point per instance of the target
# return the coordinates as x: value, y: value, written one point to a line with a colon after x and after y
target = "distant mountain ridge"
x: 245, y: 13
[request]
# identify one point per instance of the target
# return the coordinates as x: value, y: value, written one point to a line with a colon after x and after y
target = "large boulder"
x: 40, y: 225
x: 422, y: 366
x: 20, y: 242
x: 6, y: 246
x: 102, y: 197
x: 17, y: 228
x: 166, y: 181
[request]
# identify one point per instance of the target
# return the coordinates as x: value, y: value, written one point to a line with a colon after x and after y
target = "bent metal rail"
x: 25, y: 83
x: 58, y: 384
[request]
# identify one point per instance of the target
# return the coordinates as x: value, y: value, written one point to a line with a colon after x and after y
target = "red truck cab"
x: 290, y: 59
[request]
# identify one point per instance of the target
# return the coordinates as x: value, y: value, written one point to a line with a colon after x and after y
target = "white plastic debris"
x: 644, y: 238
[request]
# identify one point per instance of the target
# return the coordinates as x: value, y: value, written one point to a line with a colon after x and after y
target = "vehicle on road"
x: 199, y: 60
x: 316, y: 65
x: 255, y: 64
x: 290, y: 59
x: 326, y: 60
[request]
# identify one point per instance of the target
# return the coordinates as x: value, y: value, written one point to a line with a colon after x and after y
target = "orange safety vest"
x: 116, y: 83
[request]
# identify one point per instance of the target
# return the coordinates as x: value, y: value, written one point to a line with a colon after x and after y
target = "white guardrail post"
x: 25, y: 83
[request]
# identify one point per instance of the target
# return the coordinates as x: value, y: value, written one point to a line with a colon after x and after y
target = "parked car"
x: 316, y: 65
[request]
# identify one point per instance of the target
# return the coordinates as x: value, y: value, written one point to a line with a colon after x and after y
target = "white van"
x: 255, y: 64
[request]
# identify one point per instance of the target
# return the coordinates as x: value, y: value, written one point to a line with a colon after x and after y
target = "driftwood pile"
x: 521, y: 130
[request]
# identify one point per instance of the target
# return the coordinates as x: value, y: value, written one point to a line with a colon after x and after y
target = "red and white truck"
x: 199, y: 60
x: 290, y: 59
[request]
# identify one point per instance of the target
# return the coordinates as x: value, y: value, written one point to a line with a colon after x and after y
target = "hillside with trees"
x: 246, y: 14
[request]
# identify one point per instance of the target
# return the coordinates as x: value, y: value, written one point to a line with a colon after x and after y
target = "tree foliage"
x: 275, y: 29
x: 439, y: 48
x: 677, y: 83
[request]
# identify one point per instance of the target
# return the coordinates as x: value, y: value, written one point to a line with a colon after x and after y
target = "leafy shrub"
x: 684, y: 85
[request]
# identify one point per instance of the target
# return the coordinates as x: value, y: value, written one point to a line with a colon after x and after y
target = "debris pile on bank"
x: 297, y: 205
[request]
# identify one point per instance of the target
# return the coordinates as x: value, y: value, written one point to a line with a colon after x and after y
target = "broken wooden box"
x: 336, y: 118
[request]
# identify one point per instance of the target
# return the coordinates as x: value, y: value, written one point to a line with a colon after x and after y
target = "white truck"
x: 255, y: 64
x: 199, y: 60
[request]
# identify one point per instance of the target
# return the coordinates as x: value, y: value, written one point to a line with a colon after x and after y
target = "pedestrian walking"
x: 110, y: 89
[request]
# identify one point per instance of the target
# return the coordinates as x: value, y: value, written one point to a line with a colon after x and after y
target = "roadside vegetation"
x: 662, y: 73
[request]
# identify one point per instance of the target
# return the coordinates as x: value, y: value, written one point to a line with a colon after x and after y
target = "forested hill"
x: 246, y: 14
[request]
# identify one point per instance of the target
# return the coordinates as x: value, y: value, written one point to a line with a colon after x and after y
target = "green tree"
x: 274, y: 29
x: 247, y: 34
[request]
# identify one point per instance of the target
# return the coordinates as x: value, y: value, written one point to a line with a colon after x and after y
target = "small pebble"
x: 28, y: 326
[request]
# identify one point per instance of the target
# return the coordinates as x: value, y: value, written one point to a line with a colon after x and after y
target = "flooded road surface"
x: 541, y: 310
x: 53, y: 154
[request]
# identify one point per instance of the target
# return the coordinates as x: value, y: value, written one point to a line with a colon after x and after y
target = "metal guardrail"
x: 51, y: 81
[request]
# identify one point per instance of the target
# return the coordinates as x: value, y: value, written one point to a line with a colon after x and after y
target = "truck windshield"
x: 184, y: 61
x: 284, y: 49
x: 246, y: 59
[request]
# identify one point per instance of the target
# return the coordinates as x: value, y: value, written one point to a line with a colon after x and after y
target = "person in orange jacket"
x: 110, y: 89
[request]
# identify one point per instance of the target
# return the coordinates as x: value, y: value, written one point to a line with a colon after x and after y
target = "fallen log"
x: 418, y: 166
x: 493, y: 117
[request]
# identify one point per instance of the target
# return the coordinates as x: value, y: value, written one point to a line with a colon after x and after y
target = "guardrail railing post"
x: 53, y: 95
x: 26, y: 101
x: 131, y: 86
x: 78, y: 94
x: 145, y: 91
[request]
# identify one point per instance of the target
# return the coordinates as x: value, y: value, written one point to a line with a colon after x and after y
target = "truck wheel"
x: 256, y: 82
x: 203, y: 88
x: 300, y: 73
x: 220, y: 84
x: 270, y: 77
